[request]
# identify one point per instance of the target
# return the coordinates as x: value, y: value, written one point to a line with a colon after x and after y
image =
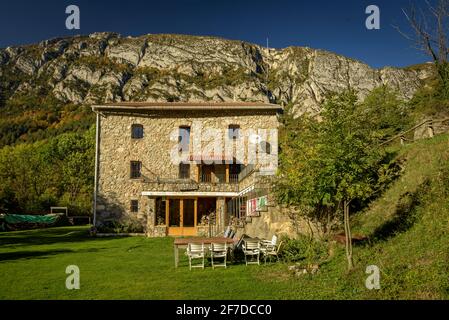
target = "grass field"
x: 408, y: 239
x: 33, y: 263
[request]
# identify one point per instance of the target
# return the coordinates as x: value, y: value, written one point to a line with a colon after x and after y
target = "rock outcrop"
x: 105, y: 67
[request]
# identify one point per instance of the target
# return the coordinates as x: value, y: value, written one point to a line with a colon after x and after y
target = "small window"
x: 234, y: 131
x: 184, y: 139
x: 134, y: 206
x: 137, y: 131
x: 184, y: 171
x: 265, y: 147
x: 136, y: 167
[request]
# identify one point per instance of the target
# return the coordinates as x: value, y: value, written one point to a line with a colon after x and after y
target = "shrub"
x: 303, y: 249
x: 126, y: 226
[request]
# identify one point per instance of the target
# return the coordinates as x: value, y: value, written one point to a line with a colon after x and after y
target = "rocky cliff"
x: 104, y: 67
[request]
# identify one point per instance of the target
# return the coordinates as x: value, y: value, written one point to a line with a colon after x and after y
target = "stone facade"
x: 159, y: 171
x: 276, y: 219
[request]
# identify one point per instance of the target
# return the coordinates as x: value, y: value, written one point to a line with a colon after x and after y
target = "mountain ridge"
x: 66, y: 72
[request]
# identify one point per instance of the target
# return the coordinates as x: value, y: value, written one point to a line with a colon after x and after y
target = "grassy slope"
x: 407, y: 227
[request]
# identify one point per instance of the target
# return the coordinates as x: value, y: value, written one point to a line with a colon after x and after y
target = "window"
x: 137, y: 131
x: 136, y: 167
x: 234, y: 131
x: 184, y: 139
x: 134, y: 205
x: 265, y: 147
x: 184, y: 171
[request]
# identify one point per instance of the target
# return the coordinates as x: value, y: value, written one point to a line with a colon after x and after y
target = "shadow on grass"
x: 404, y: 217
x: 30, y: 254
x: 48, y: 236
x: 39, y: 254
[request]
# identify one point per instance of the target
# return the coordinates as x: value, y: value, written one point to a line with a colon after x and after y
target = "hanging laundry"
x: 254, y: 207
x: 251, y: 206
x: 262, y: 202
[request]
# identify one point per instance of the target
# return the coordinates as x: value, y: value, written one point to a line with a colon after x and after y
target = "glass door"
x: 182, y: 215
x: 174, y: 213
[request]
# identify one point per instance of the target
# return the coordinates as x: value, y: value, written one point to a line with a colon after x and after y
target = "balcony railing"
x: 233, y: 178
x: 218, y: 178
x: 206, y: 177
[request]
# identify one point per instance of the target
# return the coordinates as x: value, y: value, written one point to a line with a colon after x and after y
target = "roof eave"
x: 187, y: 108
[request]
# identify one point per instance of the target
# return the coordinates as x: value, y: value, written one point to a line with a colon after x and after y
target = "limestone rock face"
x: 104, y: 67
x: 3, y: 56
x: 130, y: 51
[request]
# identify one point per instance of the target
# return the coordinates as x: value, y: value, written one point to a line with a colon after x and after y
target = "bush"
x: 127, y: 226
x: 304, y: 249
x: 442, y: 177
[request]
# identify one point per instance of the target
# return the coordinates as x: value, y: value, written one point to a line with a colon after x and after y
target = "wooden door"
x: 181, y: 214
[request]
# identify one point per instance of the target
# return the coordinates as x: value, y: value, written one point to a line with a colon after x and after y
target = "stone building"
x: 184, y: 169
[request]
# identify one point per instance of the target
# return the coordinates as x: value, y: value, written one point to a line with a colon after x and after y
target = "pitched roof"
x: 129, y: 106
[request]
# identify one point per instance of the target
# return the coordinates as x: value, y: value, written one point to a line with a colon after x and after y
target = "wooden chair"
x: 218, y: 250
x: 196, y: 251
x: 251, y: 248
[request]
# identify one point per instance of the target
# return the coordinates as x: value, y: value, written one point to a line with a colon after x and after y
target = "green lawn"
x: 33, y: 263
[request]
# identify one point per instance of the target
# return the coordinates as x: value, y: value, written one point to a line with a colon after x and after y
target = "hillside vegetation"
x: 406, y: 236
x: 407, y: 227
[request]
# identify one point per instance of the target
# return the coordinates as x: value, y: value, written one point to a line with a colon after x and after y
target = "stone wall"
x: 277, y: 220
x: 191, y: 185
x: 117, y: 149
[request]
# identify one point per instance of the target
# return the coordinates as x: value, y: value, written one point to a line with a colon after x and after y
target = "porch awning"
x: 188, y: 194
x: 211, y: 157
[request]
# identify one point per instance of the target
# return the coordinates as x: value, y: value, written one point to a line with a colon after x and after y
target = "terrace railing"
x: 431, y: 125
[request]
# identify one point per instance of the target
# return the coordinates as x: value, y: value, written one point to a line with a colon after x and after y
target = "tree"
x: 429, y: 33
x: 391, y: 115
x: 326, y: 165
x: 58, y: 171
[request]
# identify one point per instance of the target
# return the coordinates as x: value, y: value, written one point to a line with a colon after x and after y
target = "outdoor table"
x: 183, y: 242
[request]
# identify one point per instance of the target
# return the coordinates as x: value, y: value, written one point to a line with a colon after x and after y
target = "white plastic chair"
x: 195, y: 251
x: 251, y: 248
x: 218, y: 250
x: 273, y: 241
x: 271, y: 250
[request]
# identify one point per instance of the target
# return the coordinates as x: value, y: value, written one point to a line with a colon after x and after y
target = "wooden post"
x: 430, y: 131
x: 181, y: 213
x: 198, y: 173
x: 195, y: 218
x: 167, y: 210
x: 227, y: 173
x: 176, y: 255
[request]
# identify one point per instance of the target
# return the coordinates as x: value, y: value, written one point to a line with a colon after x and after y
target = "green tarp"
x: 21, y: 218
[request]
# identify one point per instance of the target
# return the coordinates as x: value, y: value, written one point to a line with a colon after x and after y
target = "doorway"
x: 181, y: 215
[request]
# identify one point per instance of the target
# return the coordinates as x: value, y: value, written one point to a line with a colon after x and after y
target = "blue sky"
x: 337, y: 26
